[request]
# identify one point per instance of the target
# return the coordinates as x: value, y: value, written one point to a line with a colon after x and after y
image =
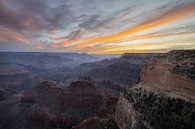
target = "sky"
x: 97, y: 26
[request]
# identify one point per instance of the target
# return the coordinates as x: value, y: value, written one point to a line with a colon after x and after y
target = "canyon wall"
x: 165, y: 96
x: 173, y: 72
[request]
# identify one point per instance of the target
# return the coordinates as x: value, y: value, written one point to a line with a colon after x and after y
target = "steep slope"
x: 165, y: 96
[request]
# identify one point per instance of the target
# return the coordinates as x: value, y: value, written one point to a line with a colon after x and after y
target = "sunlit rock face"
x: 164, y: 97
x: 173, y: 72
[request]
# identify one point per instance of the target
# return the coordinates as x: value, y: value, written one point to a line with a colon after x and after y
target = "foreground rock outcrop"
x: 165, y: 96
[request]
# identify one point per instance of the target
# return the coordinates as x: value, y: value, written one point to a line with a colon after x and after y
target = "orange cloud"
x: 149, y: 46
x: 7, y: 34
x: 154, y: 35
x: 167, y: 18
x: 21, y: 38
x: 40, y: 46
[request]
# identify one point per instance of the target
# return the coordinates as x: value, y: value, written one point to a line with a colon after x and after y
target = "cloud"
x: 27, y: 20
x: 92, y: 26
x: 74, y: 35
x: 169, y: 17
x: 40, y: 46
x: 89, y: 22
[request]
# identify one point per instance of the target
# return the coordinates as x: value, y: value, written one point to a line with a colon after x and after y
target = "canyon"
x: 132, y: 91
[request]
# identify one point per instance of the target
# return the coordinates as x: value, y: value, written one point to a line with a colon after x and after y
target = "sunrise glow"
x: 93, y: 27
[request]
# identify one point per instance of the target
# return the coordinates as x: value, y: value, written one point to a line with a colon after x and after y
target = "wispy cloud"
x: 171, y: 16
x: 95, y: 27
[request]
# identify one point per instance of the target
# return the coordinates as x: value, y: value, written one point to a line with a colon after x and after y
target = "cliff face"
x: 164, y: 98
x: 173, y: 72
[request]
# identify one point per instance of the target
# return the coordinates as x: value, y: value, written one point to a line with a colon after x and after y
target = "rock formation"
x: 22, y: 70
x: 121, y: 73
x: 64, y: 107
x: 49, y: 105
x: 172, y: 72
x: 164, y: 98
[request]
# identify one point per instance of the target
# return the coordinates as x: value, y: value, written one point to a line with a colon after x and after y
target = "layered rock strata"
x: 165, y: 96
